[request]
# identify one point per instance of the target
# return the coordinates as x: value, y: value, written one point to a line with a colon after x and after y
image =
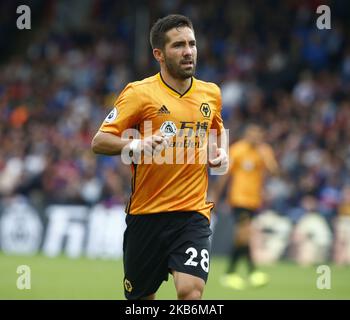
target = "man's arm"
x: 269, y: 159
x: 272, y: 167
x: 219, y: 186
x: 110, y: 144
x: 218, y: 153
x: 222, y: 181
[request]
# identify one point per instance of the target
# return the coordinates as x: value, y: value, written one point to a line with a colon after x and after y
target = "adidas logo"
x: 163, y: 110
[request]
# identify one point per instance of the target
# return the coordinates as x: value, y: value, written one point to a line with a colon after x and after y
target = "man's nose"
x: 187, y: 50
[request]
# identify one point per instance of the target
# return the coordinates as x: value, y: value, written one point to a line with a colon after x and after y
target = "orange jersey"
x: 168, y: 187
x: 247, y: 172
x: 344, y: 210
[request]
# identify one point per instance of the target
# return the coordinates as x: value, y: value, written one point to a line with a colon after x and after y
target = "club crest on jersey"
x: 168, y: 129
x: 205, y: 110
x: 112, y: 115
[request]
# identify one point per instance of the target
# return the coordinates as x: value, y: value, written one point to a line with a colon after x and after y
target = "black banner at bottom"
x: 166, y: 309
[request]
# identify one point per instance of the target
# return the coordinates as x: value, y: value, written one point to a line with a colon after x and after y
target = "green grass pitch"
x: 63, y: 278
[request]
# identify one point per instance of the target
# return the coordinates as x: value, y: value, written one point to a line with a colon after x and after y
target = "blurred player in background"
x: 250, y: 158
x: 168, y: 215
x: 342, y: 229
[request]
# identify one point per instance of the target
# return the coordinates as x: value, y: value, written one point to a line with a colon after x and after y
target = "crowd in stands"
x: 270, y: 60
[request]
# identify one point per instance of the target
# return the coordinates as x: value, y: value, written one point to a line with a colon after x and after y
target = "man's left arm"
x: 218, y: 142
x: 269, y: 159
x: 218, y: 150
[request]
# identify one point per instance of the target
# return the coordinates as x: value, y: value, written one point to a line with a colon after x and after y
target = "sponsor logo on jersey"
x: 163, y: 110
x: 168, y: 129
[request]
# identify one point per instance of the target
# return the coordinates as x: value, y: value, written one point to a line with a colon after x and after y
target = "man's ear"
x: 158, y: 55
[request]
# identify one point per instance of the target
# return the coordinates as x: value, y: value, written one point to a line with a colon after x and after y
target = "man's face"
x: 255, y: 135
x: 180, y: 53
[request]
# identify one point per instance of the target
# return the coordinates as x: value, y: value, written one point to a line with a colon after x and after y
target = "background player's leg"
x: 245, y: 244
x: 256, y: 278
x: 241, y: 246
x: 188, y: 287
x: 243, y: 250
x: 241, y: 234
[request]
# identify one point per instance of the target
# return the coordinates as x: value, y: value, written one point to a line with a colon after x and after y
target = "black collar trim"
x: 181, y: 95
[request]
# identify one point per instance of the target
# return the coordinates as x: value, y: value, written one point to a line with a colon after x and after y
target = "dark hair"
x: 163, y: 25
x: 253, y: 125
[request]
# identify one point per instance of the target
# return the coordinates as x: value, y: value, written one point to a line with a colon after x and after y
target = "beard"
x: 177, y: 71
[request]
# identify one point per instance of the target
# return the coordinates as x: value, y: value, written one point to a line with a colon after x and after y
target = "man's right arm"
x: 108, y: 143
x: 125, y: 114
x: 111, y: 144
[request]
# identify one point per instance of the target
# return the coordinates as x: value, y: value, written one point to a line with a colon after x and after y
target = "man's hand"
x: 154, y: 144
x: 218, y: 160
x: 151, y: 145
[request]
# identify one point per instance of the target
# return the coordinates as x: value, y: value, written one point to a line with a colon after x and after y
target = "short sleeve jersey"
x: 247, y: 172
x: 152, y: 107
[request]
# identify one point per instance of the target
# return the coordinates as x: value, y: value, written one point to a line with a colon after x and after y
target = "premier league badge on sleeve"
x: 112, y: 115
